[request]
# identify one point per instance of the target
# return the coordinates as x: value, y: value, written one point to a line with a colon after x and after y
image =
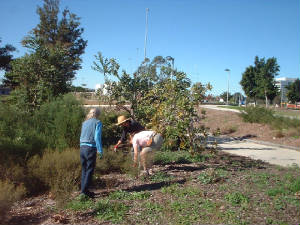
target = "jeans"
x: 88, y: 162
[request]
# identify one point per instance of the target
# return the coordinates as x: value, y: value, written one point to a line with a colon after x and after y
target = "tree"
x: 249, y: 83
x: 293, y: 91
x: 224, y: 96
x: 258, y: 80
x: 55, y: 49
x: 159, y: 97
x: 199, y: 90
x: 6, y: 57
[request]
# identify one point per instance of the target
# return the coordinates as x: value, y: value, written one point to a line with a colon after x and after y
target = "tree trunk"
x: 266, y: 98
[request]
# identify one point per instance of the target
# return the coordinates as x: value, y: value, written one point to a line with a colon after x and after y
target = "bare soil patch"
x: 231, y: 124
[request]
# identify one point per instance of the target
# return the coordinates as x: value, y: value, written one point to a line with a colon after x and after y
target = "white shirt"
x: 141, y: 138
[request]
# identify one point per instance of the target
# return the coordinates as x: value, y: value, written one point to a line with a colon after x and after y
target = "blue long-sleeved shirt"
x: 97, y: 142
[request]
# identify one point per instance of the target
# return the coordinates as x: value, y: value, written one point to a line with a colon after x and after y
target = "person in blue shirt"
x: 90, y: 144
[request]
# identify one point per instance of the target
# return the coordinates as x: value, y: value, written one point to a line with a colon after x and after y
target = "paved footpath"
x: 278, y: 155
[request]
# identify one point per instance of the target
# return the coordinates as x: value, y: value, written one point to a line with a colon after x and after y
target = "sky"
x: 204, y: 36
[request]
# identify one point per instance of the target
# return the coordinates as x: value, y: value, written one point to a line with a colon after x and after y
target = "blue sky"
x: 204, y: 36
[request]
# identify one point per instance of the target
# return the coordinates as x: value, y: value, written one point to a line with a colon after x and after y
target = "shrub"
x: 59, y: 122
x: 19, y: 140
x: 59, y: 171
x: 267, y: 116
x: 9, y: 193
x: 257, y: 115
x: 110, y: 132
x: 114, y: 162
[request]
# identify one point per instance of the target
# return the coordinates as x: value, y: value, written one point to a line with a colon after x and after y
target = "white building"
x: 282, y: 83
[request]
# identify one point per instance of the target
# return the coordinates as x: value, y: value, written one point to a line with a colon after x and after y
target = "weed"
x: 212, y: 176
x: 161, y: 177
x: 80, y: 204
x: 123, y: 195
x: 106, y: 210
x: 237, y: 198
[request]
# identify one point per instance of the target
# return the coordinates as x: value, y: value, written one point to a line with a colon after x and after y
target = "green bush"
x: 9, y: 193
x: 110, y: 132
x: 59, y: 122
x: 59, y: 171
x: 114, y: 162
x: 258, y: 115
x: 18, y: 140
x: 267, y: 116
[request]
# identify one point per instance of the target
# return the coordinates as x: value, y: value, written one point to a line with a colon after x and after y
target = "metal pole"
x: 228, y: 70
x: 146, y: 32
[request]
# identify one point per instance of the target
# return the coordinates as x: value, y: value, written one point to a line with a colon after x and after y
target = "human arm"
x: 98, y: 138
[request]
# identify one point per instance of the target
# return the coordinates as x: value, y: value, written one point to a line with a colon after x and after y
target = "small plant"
x: 106, y: 210
x: 237, y: 198
x: 80, y: 203
x: 161, y: 177
x: 124, y: 195
x: 212, y: 176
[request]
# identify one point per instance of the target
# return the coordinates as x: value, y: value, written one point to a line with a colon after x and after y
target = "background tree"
x: 6, y: 56
x: 55, y: 49
x: 249, y: 83
x: 293, y: 91
x: 259, y: 80
x: 224, y: 96
x: 199, y: 91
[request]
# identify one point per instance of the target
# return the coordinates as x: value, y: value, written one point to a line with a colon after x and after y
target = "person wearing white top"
x: 144, y: 143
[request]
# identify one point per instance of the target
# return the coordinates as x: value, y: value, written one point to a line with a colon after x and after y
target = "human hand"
x: 100, y: 156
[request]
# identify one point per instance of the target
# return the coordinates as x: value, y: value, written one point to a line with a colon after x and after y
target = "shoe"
x: 90, y: 194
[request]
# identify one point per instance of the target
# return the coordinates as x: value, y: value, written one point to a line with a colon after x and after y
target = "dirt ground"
x: 231, y: 124
x: 42, y: 210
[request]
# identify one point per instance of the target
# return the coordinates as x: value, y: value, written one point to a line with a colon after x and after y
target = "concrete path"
x: 278, y: 155
x: 216, y: 107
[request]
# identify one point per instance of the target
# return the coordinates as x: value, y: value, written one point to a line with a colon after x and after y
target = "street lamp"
x: 228, y: 70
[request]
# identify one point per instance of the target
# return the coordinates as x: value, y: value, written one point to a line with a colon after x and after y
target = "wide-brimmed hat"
x: 122, y: 119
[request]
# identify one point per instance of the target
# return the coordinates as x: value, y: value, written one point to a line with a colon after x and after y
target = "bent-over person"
x: 145, y: 143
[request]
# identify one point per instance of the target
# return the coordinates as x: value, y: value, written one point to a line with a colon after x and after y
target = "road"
x: 273, y: 154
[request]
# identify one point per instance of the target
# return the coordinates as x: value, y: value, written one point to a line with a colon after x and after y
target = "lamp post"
x: 228, y: 70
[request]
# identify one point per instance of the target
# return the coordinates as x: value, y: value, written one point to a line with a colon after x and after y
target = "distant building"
x: 282, y: 83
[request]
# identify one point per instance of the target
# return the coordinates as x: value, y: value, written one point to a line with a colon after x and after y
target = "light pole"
x: 146, y: 33
x: 228, y: 70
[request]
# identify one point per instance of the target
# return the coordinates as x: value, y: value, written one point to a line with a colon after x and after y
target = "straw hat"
x: 122, y: 119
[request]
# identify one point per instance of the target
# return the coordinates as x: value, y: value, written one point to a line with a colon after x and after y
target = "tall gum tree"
x: 55, y: 46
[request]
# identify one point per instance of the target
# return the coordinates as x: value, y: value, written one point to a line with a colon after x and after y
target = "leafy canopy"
x: 55, y: 48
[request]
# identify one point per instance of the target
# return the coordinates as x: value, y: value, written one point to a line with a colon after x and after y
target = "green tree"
x: 6, y: 56
x: 293, y: 91
x: 224, y: 96
x: 159, y: 97
x: 199, y: 90
x: 258, y: 80
x: 55, y: 48
x: 249, y: 83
